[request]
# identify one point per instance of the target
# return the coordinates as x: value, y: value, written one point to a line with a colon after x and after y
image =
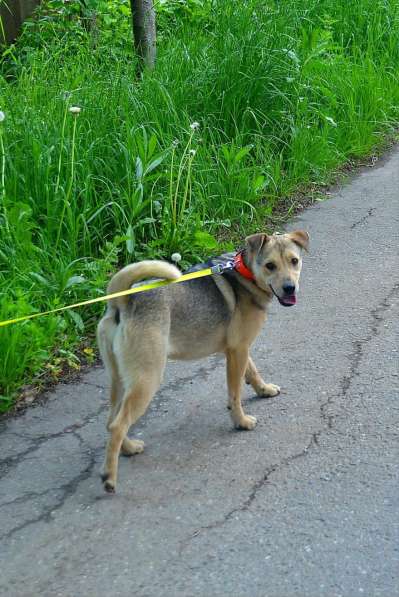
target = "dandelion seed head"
x: 194, y: 126
x: 74, y: 110
x: 192, y: 152
x: 176, y: 257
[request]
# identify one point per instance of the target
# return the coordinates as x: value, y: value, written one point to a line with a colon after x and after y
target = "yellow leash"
x: 217, y: 269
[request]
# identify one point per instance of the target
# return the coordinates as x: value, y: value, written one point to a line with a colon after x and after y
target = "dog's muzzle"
x: 288, y: 300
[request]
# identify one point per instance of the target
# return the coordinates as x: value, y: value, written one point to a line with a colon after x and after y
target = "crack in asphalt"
x: 364, y: 218
x: 346, y: 382
x: 246, y: 504
x: 67, y: 490
x: 355, y: 359
x: 357, y: 353
x: 37, y: 442
x: 26, y: 497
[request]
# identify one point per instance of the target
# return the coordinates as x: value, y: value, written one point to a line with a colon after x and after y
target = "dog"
x: 191, y: 320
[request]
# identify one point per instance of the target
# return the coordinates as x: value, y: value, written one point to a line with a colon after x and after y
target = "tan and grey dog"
x: 191, y: 320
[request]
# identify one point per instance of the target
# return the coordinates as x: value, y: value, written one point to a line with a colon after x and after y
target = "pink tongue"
x: 290, y: 300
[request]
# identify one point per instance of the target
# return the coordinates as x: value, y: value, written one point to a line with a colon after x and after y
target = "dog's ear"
x: 300, y: 238
x: 255, y: 242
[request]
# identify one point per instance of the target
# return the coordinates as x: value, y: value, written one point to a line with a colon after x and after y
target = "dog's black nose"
x: 289, y: 288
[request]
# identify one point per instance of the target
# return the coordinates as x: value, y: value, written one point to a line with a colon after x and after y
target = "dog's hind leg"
x: 134, y: 405
x: 236, y: 366
x: 252, y: 377
x: 143, y: 379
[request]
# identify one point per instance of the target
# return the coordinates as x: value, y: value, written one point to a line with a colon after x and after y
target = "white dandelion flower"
x: 176, y: 257
x: 74, y: 110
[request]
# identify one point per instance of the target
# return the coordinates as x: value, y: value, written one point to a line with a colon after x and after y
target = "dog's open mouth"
x: 287, y: 301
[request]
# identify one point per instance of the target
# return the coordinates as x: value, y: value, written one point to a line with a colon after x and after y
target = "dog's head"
x: 276, y: 262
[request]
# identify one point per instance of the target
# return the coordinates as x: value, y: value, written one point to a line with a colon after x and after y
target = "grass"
x: 284, y: 93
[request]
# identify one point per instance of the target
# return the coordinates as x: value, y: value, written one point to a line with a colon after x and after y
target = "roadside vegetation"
x: 249, y: 102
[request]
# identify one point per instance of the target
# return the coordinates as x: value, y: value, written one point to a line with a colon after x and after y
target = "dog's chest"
x: 245, y: 325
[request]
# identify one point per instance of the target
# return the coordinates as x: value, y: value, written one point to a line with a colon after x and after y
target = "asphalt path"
x: 307, y: 504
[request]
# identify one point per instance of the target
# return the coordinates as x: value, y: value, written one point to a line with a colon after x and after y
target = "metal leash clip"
x: 219, y: 268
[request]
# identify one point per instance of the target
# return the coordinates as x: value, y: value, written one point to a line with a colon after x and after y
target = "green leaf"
x: 145, y: 221
x: 226, y: 153
x: 258, y: 183
x: 139, y: 168
x: 130, y: 243
x: 204, y: 240
x: 154, y: 164
x: 152, y: 143
x: 74, y: 315
x: 242, y: 153
x: 73, y: 280
x: 41, y: 279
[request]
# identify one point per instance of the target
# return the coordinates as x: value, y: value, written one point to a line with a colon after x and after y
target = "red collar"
x: 241, y: 268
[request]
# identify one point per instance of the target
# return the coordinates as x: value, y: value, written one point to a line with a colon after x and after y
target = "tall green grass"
x: 283, y: 92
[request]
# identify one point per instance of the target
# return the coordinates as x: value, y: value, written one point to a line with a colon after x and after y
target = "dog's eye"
x: 294, y: 261
x: 271, y: 266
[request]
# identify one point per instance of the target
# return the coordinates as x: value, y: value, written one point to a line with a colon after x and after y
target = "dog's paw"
x: 132, y: 446
x: 267, y: 390
x: 109, y: 486
x: 248, y: 422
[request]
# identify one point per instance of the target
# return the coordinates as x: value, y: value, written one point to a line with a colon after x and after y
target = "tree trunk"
x: 144, y: 31
x: 12, y: 15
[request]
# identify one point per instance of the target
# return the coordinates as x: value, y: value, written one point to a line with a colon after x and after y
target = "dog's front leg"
x: 237, y: 360
x: 252, y: 377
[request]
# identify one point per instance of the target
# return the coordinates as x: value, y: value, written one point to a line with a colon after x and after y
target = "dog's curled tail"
x: 134, y: 272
